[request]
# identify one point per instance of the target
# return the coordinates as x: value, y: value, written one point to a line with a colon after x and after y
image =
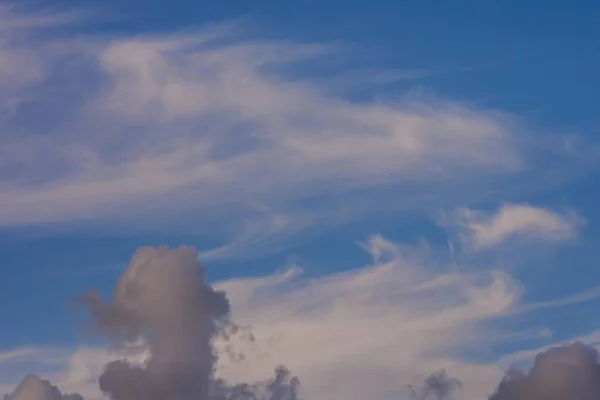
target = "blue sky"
x: 375, y: 146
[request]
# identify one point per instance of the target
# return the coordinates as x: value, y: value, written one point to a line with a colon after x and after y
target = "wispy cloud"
x: 375, y: 329
x: 372, y: 330
x: 481, y: 229
x: 587, y: 295
x: 207, y: 124
x: 28, y: 353
x: 207, y: 119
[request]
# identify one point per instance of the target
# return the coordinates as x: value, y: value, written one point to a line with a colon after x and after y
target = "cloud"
x: 160, y: 325
x: 375, y: 330
x: 27, y: 56
x: 581, y: 297
x: 23, y: 353
x: 372, y: 331
x: 438, y: 385
x: 207, y: 123
x: 261, y: 232
x: 369, y: 332
x: 560, y: 373
x: 163, y: 304
x: 208, y: 120
x: 162, y: 299
x: 26, y: 18
x: 34, y: 388
x: 27, y: 359
x: 481, y: 230
x: 214, y: 124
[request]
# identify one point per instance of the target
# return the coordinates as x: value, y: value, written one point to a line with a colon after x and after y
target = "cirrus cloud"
x: 205, y: 120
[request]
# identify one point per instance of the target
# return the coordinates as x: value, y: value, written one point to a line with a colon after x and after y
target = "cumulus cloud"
x: 162, y: 299
x: 480, y: 229
x: 560, y: 373
x: 163, y: 312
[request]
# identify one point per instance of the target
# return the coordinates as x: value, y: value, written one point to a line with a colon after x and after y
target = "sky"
x: 382, y: 190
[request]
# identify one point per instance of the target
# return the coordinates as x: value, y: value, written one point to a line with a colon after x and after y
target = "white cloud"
x: 208, y: 120
x: 204, y: 126
x: 480, y: 229
x: 586, y: 295
x: 371, y: 331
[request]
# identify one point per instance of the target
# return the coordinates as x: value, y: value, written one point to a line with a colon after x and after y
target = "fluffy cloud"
x: 161, y: 322
x: 480, y: 229
x: 161, y: 298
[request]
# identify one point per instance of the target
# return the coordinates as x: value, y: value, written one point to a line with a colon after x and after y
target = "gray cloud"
x: 438, y: 385
x: 284, y: 386
x: 162, y: 299
x: 163, y: 302
x: 570, y: 372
